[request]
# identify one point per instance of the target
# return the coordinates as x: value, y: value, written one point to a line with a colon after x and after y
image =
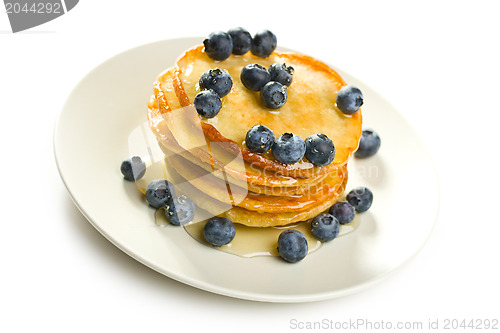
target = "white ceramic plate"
x: 91, y: 141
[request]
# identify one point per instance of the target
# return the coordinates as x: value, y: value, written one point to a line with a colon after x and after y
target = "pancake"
x: 245, y: 216
x: 241, y: 197
x: 310, y: 108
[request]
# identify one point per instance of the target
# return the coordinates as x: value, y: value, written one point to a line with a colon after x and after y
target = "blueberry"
x: 254, y: 76
x: 218, y: 80
x: 218, y: 45
x: 360, y: 198
x: 263, y: 44
x: 158, y: 192
x: 289, y: 148
x: 292, y: 245
x: 325, y: 227
x: 320, y: 150
x: 242, y: 40
x: 349, y: 99
x: 343, y: 211
x: 133, y: 168
x: 281, y: 73
x: 273, y: 95
x: 207, y: 103
x: 179, y: 210
x: 259, y: 139
x: 369, y: 143
x: 219, y: 231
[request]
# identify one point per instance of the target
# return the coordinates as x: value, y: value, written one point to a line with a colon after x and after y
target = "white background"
x: 437, y: 62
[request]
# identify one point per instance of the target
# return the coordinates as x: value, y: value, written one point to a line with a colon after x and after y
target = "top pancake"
x: 310, y: 107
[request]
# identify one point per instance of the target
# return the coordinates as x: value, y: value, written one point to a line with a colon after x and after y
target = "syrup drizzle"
x: 253, y: 241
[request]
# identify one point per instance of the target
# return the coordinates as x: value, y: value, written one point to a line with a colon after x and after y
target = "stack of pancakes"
x: 207, y: 158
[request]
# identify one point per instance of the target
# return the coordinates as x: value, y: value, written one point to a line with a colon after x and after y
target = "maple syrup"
x: 249, y: 241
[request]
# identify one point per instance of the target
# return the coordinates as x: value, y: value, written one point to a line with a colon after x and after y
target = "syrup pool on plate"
x: 249, y: 241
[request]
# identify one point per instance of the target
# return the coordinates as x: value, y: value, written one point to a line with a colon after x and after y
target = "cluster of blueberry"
x: 272, y: 83
x: 317, y: 148
x: 290, y: 148
x: 179, y: 210
x: 292, y: 244
x: 215, y: 84
x: 160, y: 193
x: 220, y: 45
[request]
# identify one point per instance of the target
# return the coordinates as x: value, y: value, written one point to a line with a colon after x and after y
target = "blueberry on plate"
x: 218, y: 45
x: 273, y: 95
x: 259, y: 139
x: 133, y: 168
x: 320, y: 150
x: 179, y: 210
x: 219, y: 231
x: 325, y: 227
x: 218, y: 80
x: 158, y: 192
x: 254, y: 76
x: 349, y: 99
x: 264, y: 43
x: 242, y: 40
x: 207, y: 103
x: 369, y: 143
x: 288, y: 148
x: 281, y: 73
x: 343, y: 211
x: 292, y: 245
x: 360, y: 198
